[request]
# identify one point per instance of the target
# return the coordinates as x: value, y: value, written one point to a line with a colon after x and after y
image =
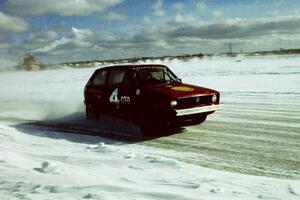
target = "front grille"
x: 188, y: 102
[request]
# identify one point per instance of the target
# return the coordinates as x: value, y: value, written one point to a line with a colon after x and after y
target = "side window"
x: 167, y: 78
x: 158, y: 74
x: 100, y: 79
x: 116, y: 77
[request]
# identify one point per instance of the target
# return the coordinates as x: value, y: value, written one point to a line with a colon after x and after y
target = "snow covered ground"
x: 250, y: 150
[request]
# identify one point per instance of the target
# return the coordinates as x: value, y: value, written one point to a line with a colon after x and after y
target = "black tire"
x: 156, y: 127
x: 198, y: 119
x: 91, y: 112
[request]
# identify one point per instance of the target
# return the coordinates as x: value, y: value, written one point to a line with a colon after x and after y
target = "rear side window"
x: 116, y: 77
x: 100, y: 79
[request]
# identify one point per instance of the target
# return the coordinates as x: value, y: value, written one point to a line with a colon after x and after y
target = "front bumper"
x: 198, y: 110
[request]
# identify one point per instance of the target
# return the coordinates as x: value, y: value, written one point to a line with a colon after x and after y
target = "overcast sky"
x: 73, y: 30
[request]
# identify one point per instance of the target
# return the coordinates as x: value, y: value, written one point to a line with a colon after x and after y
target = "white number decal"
x: 114, y: 97
x: 138, y: 92
x: 125, y: 100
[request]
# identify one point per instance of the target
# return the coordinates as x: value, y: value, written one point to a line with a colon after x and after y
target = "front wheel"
x: 198, y: 119
x: 157, y: 126
x: 91, y: 112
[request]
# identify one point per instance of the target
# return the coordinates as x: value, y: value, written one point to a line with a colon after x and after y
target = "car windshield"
x: 154, y: 75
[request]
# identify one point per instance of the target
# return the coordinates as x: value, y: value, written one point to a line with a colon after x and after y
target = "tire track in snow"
x: 264, y: 141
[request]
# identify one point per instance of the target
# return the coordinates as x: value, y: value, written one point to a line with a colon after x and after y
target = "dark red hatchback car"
x: 151, y: 93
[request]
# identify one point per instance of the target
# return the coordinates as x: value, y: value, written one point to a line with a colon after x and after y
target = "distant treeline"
x: 277, y: 52
x: 186, y: 57
x: 134, y: 59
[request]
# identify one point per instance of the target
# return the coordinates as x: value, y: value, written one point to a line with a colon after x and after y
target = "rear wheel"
x: 91, y: 112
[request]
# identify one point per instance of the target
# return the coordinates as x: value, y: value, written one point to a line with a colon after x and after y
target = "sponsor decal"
x: 182, y: 88
x: 138, y: 92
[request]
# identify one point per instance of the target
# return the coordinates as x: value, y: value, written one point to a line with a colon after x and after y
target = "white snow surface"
x: 37, y: 163
x: 85, y: 167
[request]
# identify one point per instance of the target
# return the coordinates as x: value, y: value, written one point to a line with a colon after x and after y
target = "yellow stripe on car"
x: 182, y: 89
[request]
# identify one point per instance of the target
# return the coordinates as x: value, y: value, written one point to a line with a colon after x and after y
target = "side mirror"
x: 179, y: 80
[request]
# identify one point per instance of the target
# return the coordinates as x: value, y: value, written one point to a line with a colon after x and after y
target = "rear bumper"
x: 198, y: 110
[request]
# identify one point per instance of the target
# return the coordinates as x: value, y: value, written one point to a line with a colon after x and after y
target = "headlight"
x: 173, y: 103
x: 214, y: 98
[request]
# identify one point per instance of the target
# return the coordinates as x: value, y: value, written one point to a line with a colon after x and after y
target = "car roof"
x: 130, y: 66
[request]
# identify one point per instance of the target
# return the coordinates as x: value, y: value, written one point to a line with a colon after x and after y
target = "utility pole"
x: 230, y: 48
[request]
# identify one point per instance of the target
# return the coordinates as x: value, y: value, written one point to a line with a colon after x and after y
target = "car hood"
x: 179, y: 90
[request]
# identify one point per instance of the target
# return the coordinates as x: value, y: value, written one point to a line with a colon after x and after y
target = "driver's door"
x: 121, y: 91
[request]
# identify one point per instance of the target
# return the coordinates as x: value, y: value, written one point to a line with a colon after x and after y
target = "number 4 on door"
x: 113, y: 99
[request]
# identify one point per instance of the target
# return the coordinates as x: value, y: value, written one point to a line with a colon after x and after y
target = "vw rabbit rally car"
x: 150, y: 93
